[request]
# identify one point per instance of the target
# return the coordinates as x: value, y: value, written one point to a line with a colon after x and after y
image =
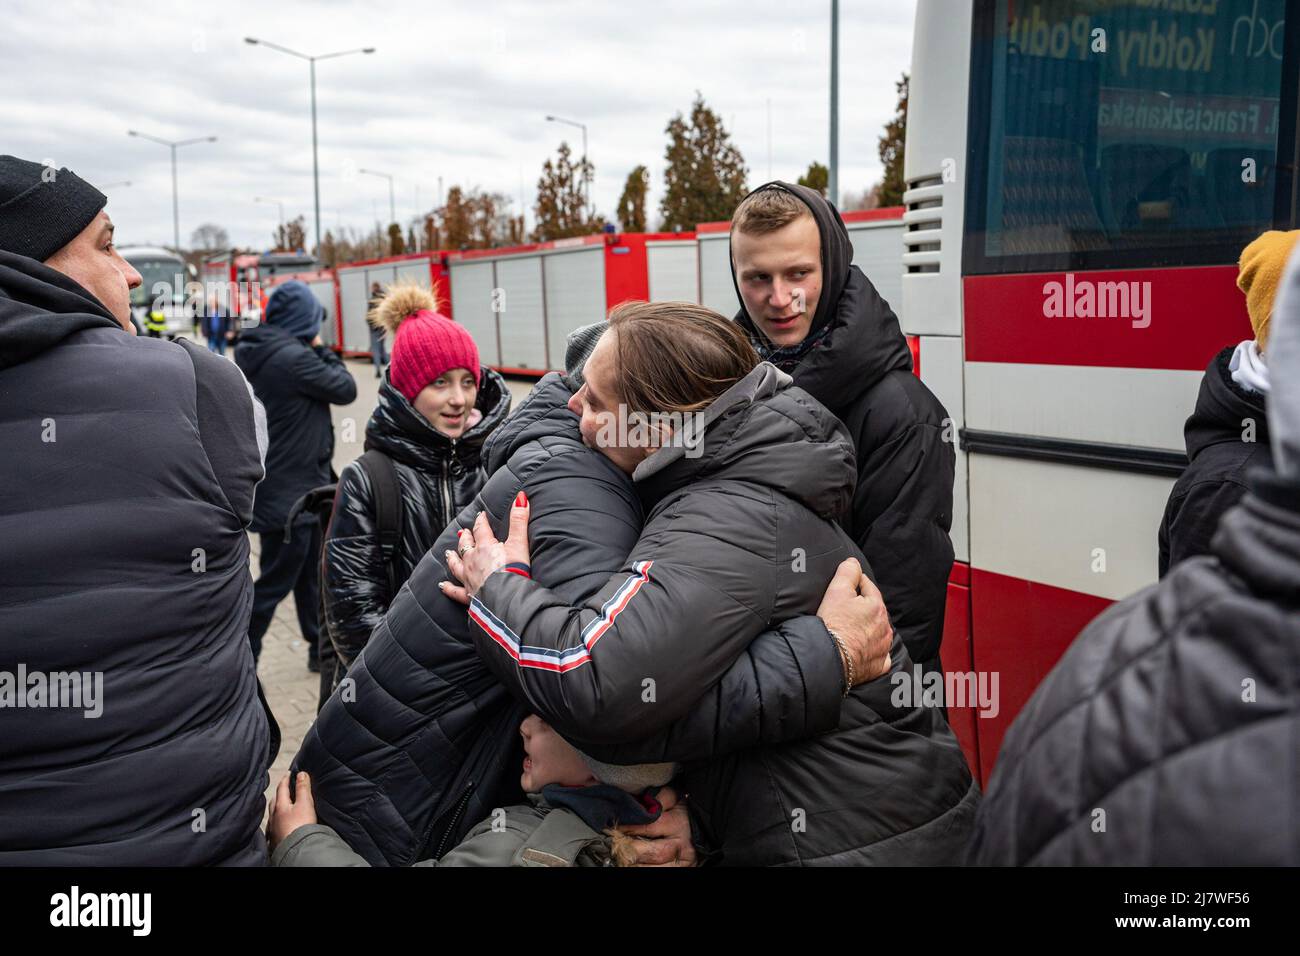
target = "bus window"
x: 1128, y: 133
x: 155, y: 273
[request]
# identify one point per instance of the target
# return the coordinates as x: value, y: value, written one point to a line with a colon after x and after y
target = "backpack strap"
x: 388, y: 510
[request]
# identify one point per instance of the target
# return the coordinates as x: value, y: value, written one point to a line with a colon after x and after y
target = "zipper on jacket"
x: 455, y: 818
x: 448, y: 507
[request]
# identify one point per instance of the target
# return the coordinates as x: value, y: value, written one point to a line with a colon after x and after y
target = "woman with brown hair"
x: 742, y: 477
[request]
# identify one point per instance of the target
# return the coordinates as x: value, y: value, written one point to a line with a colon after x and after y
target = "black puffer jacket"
x: 423, y: 741
x: 438, y: 476
x: 126, y: 485
x: 737, y: 537
x: 1172, y: 720
x: 1219, y: 457
x: 862, y: 371
x: 297, y: 384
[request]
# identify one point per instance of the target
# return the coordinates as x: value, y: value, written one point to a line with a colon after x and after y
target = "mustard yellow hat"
x: 1258, y: 275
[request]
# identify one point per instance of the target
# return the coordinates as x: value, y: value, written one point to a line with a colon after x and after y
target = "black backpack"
x: 320, y: 502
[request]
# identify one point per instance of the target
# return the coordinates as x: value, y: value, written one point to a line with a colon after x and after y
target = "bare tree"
x: 210, y: 238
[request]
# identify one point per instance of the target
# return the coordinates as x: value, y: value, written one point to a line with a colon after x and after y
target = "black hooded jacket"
x: 438, y: 476
x: 901, y: 512
x: 126, y: 485
x: 1227, y: 436
x: 297, y: 383
x: 423, y: 742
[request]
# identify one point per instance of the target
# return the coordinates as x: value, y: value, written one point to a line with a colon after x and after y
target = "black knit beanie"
x: 43, y: 209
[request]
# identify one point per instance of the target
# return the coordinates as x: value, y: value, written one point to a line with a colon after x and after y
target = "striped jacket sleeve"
x: 645, y: 648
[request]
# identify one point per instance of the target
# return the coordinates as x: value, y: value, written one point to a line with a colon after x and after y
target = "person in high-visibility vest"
x: 155, y: 323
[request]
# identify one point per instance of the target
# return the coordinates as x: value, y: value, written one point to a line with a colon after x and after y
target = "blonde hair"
x: 767, y: 210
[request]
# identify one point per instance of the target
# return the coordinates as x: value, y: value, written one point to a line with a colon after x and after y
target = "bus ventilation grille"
x: 923, y: 223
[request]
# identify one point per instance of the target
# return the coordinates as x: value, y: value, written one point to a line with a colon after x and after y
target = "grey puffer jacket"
x: 438, y: 476
x: 1166, y: 735
x: 738, y: 538
x: 423, y: 740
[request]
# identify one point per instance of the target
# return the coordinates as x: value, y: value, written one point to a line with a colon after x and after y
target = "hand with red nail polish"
x: 479, y: 554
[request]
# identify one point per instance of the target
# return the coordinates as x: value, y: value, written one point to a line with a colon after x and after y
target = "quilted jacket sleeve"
x: 902, y: 512
x: 639, y: 653
x: 785, y: 684
x: 356, y: 581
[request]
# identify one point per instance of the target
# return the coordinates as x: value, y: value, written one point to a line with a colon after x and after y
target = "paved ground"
x: 291, y: 689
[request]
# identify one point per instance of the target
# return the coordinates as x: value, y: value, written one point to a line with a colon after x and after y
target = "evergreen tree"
x: 457, y: 220
x: 560, y: 210
x: 818, y: 177
x: 704, y: 176
x: 631, y: 205
x: 891, y: 187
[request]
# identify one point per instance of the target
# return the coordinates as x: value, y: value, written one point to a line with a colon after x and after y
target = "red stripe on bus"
x: 955, y: 653
x: 1019, y: 629
x: 1192, y: 314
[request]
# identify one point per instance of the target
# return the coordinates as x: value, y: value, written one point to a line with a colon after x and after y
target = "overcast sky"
x: 455, y: 89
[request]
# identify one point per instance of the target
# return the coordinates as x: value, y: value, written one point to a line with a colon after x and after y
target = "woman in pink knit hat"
x: 436, y: 408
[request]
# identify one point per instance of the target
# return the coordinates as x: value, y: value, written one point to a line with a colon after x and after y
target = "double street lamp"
x: 315, y: 164
x: 176, y: 214
x: 586, y: 185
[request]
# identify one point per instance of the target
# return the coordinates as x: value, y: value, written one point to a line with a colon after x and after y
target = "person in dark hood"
x: 297, y: 379
x: 813, y: 314
x: 436, y: 408
x: 132, y: 727
x: 1166, y: 735
x: 1227, y: 433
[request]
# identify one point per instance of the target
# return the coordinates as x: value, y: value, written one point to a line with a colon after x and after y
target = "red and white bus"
x: 1081, y: 177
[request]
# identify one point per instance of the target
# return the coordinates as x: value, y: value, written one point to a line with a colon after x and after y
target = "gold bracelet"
x: 847, y: 660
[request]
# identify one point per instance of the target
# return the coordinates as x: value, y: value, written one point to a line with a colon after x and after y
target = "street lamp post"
x: 833, y: 168
x: 315, y: 163
x: 173, y: 146
x: 392, y: 206
x: 586, y: 183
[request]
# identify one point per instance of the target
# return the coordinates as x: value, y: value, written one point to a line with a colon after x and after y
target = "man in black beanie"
x: 133, y: 731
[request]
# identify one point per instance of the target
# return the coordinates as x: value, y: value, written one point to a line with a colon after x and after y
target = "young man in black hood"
x: 812, y: 313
